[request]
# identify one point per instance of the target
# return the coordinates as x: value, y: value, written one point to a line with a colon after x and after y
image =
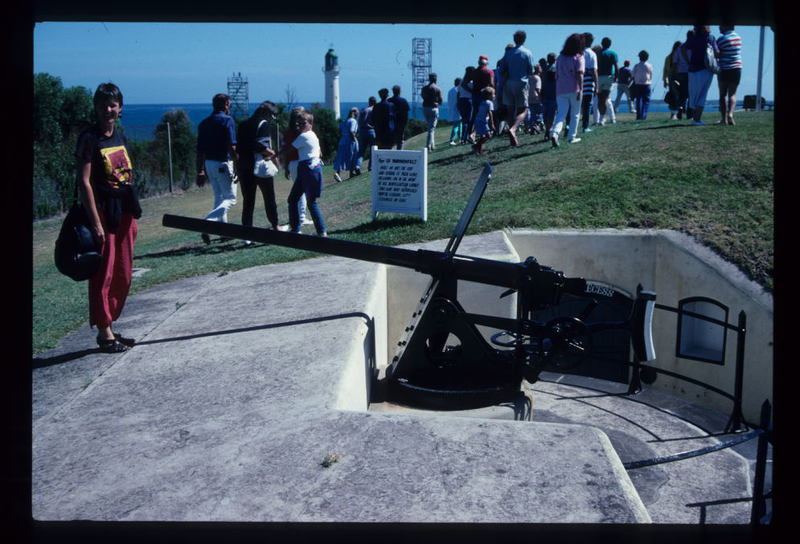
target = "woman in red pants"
x: 105, y: 179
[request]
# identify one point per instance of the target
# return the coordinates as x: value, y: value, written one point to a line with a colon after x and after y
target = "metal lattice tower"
x: 237, y: 90
x: 421, y: 62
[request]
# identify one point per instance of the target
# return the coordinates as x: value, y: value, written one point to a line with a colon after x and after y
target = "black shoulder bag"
x: 77, y: 253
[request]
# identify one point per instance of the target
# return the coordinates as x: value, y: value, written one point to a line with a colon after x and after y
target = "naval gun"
x: 426, y: 371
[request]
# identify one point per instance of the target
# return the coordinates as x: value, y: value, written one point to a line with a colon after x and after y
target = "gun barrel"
x: 435, y: 263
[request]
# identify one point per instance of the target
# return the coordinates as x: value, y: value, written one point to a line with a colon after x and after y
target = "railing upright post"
x: 759, y: 502
x: 635, y: 383
x: 735, y: 422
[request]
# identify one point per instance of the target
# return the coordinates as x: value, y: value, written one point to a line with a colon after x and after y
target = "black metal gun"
x: 427, y: 372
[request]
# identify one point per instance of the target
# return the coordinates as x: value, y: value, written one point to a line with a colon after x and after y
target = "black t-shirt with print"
x: 111, y: 174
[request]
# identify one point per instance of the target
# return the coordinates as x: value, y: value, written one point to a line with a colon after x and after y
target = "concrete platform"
x: 247, y: 399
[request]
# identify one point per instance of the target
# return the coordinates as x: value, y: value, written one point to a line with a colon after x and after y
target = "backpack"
x: 710, y: 60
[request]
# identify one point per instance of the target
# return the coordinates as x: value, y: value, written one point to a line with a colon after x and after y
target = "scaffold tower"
x: 237, y: 90
x: 421, y: 62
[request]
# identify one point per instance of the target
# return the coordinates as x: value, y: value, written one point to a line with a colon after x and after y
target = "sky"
x: 186, y: 63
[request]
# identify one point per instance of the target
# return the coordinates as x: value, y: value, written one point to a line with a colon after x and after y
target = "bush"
x: 326, y: 128
x: 414, y: 127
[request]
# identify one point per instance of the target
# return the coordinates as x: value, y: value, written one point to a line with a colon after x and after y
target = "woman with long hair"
x: 570, y: 67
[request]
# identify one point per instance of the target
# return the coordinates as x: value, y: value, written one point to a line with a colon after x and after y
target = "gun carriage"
x: 426, y: 371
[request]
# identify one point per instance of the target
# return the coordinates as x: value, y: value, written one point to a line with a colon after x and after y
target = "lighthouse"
x: 332, y: 82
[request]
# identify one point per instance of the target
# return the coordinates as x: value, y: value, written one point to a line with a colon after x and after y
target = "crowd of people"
x: 563, y: 93
x: 557, y: 93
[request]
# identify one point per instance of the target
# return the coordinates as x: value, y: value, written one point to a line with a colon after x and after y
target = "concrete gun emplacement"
x: 425, y: 371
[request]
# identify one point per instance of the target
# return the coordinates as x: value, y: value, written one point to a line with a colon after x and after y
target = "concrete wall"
x: 675, y: 267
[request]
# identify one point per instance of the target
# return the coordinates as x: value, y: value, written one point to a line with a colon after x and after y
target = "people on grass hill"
x: 697, y: 48
x: 347, y: 152
x: 517, y: 67
x: 669, y: 77
x: 383, y: 121
x: 642, y: 85
x: 401, y: 109
x: 109, y: 198
x: 216, y: 158
x: 453, y: 114
x: 589, y: 79
x: 308, y: 182
x: 624, y: 80
x: 254, y: 144
x: 366, y: 134
x: 484, y: 120
x: 570, y: 68
x: 431, y: 96
x: 607, y: 71
x: 730, y: 66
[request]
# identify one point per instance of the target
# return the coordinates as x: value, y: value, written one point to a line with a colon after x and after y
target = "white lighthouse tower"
x: 332, y: 82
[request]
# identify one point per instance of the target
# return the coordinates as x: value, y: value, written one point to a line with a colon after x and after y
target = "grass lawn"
x: 714, y: 183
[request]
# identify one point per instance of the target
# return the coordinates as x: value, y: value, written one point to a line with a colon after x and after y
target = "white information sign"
x: 400, y: 182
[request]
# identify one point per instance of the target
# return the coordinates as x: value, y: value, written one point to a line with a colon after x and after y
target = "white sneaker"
x: 336, y: 177
x: 307, y: 221
x: 554, y: 139
x: 282, y: 228
x: 574, y: 140
x: 247, y: 242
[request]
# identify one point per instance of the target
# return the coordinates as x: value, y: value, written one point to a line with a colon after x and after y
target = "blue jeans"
x: 642, y: 94
x: 465, y: 111
x: 308, y: 182
x: 366, y: 139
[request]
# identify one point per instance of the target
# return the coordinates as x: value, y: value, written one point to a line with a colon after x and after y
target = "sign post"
x: 399, y: 182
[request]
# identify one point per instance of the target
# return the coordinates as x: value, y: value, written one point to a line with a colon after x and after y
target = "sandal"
x: 111, y: 346
x: 130, y: 342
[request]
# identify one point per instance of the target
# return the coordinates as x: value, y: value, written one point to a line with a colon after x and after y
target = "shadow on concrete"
x: 63, y: 358
x: 367, y: 318
x: 67, y: 357
x: 632, y: 398
x: 612, y: 412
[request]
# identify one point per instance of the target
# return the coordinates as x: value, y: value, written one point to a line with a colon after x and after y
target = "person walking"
x: 383, y: 121
x: 642, y: 82
x: 465, y: 104
x: 216, y: 158
x: 624, y: 81
x: 347, y: 152
x: 517, y: 67
x: 682, y: 78
x: 401, y: 109
x: 366, y: 134
x: 254, y: 143
x: 107, y: 193
x: 548, y: 93
x: 669, y: 77
x: 607, y: 72
x: 589, y: 79
x: 569, y: 86
x: 452, y: 112
x: 699, y: 75
x: 730, y: 66
x: 479, y: 78
x: 484, y: 121
x: 309, y: 176
x: 431, y: 100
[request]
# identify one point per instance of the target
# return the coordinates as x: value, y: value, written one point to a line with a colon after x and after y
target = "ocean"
x: 140, y: 120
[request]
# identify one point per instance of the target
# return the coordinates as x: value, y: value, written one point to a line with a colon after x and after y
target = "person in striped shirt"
x: 730, y: 64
